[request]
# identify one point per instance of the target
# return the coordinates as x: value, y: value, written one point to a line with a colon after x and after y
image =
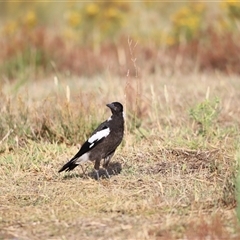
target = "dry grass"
x: 169, y: 181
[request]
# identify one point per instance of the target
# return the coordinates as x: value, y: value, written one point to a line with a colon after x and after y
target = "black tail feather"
x: 68, y: 166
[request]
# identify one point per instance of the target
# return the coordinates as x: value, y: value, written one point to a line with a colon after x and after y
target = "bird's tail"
x: 69, y: 166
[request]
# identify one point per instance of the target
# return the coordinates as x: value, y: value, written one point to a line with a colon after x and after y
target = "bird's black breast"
x: 113, y: 140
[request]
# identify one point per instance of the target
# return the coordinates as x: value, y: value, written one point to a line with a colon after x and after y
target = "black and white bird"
x: 102, y: 143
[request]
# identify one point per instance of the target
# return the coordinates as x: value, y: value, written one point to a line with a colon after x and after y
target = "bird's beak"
x: 110, y: 105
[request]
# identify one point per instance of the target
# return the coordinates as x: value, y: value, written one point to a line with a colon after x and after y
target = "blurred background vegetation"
x: 86, y: 38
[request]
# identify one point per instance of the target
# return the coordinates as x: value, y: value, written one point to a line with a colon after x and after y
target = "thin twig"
x: 6, y: 136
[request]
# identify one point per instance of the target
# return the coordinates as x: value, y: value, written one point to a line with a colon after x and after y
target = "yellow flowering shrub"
x: 92, y: 9
x: 73, y: 18
x: 9, y: 28
x: 95, y: 25
x: 30, y: 19
x: 232, y: 7
x: 187, y: 21
x: 97, y: 21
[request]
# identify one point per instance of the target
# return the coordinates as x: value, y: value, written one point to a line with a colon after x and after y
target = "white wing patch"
x: 99, y: 135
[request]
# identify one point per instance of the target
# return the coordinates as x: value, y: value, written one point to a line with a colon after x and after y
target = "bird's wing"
x: 102, y: 126
x: 97, y: 136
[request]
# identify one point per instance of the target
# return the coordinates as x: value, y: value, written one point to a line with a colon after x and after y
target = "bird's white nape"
x: 99, y: 135
x: 123, y: 114
x: 109, y: 119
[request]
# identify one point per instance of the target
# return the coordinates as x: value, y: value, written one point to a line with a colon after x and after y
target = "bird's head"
x: 115, y: 107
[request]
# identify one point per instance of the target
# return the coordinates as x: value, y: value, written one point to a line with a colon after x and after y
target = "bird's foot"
x: 97, y: 174
x: 107, y: 174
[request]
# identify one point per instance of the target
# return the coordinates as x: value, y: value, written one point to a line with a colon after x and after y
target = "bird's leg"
x: 84, y: 171
x: 96, y: 168
x: 105, y: 164
x: 97, y: 174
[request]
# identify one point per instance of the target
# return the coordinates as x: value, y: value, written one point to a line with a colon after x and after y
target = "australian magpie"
x: 102, y: 143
